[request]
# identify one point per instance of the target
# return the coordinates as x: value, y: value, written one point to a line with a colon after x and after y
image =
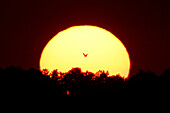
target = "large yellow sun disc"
x: 89, y: 47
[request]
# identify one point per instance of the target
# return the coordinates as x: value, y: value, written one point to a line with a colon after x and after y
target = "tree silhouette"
x: 33, y: 83
x: 55, y: 74
x: 45, y: 72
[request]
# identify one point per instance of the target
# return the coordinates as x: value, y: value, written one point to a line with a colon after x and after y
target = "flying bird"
x: 85, y: 55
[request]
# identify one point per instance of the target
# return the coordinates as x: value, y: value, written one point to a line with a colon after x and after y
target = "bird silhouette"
x: 85, y: 55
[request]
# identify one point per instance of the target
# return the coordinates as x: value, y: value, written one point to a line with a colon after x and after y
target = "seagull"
x: 85, y: 55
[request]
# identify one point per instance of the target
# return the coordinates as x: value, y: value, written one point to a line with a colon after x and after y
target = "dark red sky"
x: 143, y: 27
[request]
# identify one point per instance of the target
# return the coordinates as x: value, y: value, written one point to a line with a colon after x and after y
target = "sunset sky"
x: 142, y: 26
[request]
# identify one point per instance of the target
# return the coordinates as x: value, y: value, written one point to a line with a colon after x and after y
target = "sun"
x: 90, y: 48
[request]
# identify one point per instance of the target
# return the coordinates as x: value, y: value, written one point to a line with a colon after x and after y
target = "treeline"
x: 32, y: 82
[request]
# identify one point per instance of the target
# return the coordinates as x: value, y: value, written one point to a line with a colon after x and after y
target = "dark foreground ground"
x: 16, y: 82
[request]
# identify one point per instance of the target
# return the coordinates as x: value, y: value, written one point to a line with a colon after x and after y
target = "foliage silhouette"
x: 32, y: 82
